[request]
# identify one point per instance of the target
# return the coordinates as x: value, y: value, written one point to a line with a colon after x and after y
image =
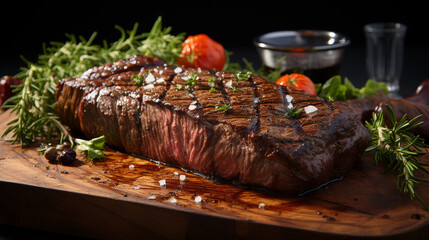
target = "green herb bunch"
x: 335, y: 89
x: 34, y: 100
x: 398, y: 149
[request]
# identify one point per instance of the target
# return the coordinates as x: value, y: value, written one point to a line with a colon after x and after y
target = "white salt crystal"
x: 198, y: 199
x: 149, y: 86
x: 178, y: 70
x: 228, y: 84
x: 152, y: 197
x: 131, y: 167
x: 149, y: 78
x: 261, y: 205
x: 182, y: 177
x: 310, y: 109
x: 192, y: 107
x: 173, y: 201
x: 162, y: 182
x: 289, y: 98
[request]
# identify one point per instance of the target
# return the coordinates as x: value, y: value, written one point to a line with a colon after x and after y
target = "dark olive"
x: 67, y: 156
x: 51, y: 154
x: 63, y: 146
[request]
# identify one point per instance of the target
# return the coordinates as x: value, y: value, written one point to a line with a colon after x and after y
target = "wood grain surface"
x: 120, y: 197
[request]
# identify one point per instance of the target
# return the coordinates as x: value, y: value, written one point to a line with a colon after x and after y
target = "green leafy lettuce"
x: 336, y: 89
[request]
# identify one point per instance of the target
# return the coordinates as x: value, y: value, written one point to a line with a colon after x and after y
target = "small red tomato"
x: 200, y: 51
x: 298, y: 81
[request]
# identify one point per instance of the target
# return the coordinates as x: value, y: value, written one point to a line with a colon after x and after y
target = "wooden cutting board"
x: 121, y: 197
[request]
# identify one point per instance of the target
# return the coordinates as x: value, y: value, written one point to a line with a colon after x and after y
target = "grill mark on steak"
x: 255, y: 128
x: 250, y: 144
x: 296, y: 124
x: 223, y: 90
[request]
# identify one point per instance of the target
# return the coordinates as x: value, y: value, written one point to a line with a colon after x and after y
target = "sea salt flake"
x: 178, y: 70
x: 152, y: 197
x: 162, y: 182
x: 310, y: 109
x: 289, y: 98
x: 131, y: 167
x: 192, y: 107
x: 290, y: 106
x: 173, y: 200
x: 176, y: 173
x: 149, y: 86
x: 229, y: 84
x: 137, y: 187
x: 261, y: 205
x: 149, y: 78
x: 182, y: 177
x: 198, y: 199
x: 160, y: 80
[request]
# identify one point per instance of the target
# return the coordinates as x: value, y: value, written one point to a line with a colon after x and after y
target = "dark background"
x: 25, y: 26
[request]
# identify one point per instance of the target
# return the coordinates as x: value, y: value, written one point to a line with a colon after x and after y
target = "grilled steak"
x: 214, y: 123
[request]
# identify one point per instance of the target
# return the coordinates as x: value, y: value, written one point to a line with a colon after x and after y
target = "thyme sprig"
x: 34, y: 102
x: 398, y: 149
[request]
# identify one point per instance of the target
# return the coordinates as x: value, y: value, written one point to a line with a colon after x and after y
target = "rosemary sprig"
x: 34, y: 102
x: 398, y: 149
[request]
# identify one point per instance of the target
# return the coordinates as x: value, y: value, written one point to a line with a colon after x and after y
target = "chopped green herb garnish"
x: 235, y: 89
x: 293, y: 112
x: 192, y: 80
x: 240, y: 76
x: 212, y: 84
x: 138, y: 79
x: 224, y: 107
x: 179, y: 87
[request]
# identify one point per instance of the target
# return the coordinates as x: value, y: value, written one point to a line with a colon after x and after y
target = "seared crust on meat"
x: 213, y: 123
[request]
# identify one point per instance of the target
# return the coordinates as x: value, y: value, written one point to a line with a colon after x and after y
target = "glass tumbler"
x: 384, y: 53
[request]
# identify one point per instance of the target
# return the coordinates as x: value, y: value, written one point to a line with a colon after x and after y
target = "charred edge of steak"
x: 251, y: 143
x: 70, y: 91
x: 133, y: 63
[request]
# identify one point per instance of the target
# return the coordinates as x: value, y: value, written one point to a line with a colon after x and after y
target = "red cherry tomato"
x: 201, y: 51
x: 298, y: 81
